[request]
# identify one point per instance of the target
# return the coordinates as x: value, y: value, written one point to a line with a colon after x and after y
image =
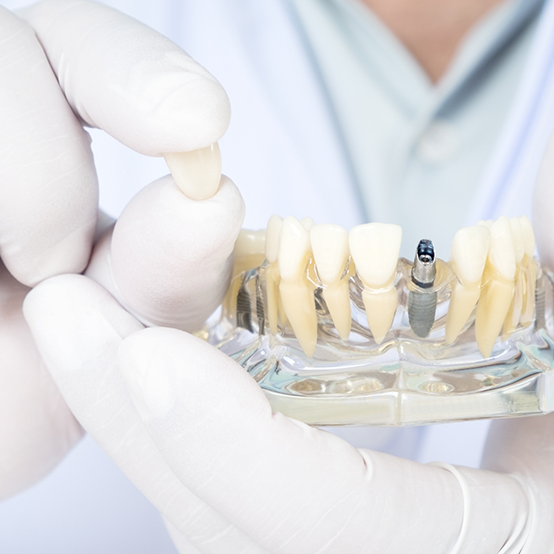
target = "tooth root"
x: 498, y: 290
x: 272, y: 297
x: 468, y: 257
x: 529, y: 272
x: 380, y: 308
x: 375, y: 248
x: 197, y: 173
x: 514, y: 313
x: 492, y: 309
x: 272, y: 237
x: 297, y: 293
x: 462, y: 301
x: 337, y: 298
x: 299, y: 306
x: 331, y: 253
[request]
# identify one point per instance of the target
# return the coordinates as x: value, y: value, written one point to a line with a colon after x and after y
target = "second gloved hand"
x: 196, y: 435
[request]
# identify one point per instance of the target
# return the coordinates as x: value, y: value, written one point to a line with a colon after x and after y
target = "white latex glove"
x: 196, y: 435
x: 65, y: 63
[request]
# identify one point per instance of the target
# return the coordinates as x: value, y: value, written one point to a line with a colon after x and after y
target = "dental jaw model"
x: 337, y: 330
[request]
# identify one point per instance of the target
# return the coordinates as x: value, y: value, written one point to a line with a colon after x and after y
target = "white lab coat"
x: 283, y: 152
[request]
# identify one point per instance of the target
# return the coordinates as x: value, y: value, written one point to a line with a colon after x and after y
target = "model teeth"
x: 273, y: 279
x: 375, y: 248
x: 331, y: 253
x: 493, y: 263
x: 468, y: 257
x: 498, y: 286
x: 196, y: 173
x: 307, y: 223
x: 528, y: 272
x: 297, y: 293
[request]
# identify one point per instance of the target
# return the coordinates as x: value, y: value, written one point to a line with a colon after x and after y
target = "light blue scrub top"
x: 417, y: 150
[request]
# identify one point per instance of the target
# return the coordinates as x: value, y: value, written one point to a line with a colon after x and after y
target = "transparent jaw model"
x: 337, y: 330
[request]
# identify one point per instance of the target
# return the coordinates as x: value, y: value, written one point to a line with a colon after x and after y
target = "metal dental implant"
x: 422, y: 303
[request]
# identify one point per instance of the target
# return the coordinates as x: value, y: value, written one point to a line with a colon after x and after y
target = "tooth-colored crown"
x: 502, y: 252
x: 272, y: 234
x: 197, y: 173
x: 528, y: 236
x: 294, y: 248
x: 517, y: 233
x: 330, y: 248
x: 375, y: 248
x: 469, y: 252
x: 250, y: 243
x: 307, y: 223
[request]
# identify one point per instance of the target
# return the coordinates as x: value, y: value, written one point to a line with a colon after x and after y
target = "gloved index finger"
x: 127, y: 79
x: 48, y: 185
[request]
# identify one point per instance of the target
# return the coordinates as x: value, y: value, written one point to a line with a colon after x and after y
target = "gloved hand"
x: 64, y: 64
x: 196, y: 435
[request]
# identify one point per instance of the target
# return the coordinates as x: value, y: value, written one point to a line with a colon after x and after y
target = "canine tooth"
x: 272, y: 278
x: 529, y: 272
x: 375, y: 248
x: 297, y: 293
x: 197, y: 173
x: 331, y: 252
x: 307, y: 223
x: 468, y: 256
x: 498, y: 290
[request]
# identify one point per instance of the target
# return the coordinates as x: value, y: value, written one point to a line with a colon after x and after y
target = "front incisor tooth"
x: 498, y: 286
x: 468, y: 256
x: 297, y: 293
x: 272, y: 278
x: 375, y: 248
x: 197, y: 173
x: 331, y: 252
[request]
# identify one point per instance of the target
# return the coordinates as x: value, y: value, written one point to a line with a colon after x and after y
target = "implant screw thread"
x: 422, y: 303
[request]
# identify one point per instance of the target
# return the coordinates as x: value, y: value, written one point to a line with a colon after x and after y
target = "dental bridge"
x: 337, y: 330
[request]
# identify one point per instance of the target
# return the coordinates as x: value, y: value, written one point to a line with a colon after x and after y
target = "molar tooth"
x: 375, y: 248
x: 297, y: 293
x: 498, y: 290
x: 529, y: 272
x: 468, y: 257
x: 331, y: 252
x: 197, y: 173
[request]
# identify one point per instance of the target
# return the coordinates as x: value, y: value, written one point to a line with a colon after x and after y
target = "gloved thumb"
x: 168, y: 259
